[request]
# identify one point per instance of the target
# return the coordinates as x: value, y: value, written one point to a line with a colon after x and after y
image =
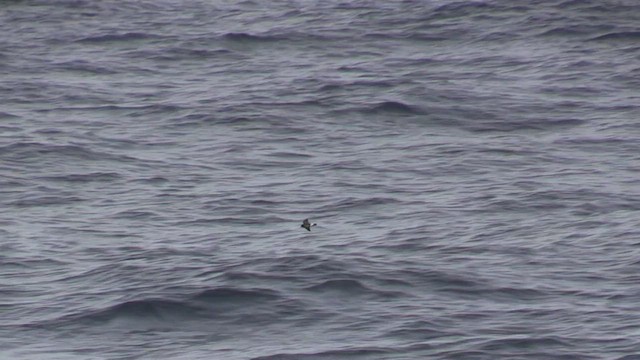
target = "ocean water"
x: 473, y: 167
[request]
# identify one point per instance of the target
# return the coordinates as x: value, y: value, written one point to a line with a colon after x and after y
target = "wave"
x: 134, y: 313
x: 575, y: 30
x: 383, y: 108
x: 29, y: 201
x: 184, y: 52
x: 129, y: 36
x: 529, y: 124
x: 84, y: 178
x: 525, y: 343
x: 35, y: 150
x: 396, y: 107
x: 6, y: 115
x: 235, y: 296
x: 622, y: 35
x: 134, y: 214
x: 353, y: 352
x: 350, y: 287
x: 245, y: 37
x: 462, y: 8
x: 83, y: 66
x: 289, y: 155
x: 211, y: 304
x: 348, y: 86
x: 32, y: 263
x: 150, y: 308
x: 467, y: 285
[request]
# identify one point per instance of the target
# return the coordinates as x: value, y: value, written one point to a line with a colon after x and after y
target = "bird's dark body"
x: 307, y: 225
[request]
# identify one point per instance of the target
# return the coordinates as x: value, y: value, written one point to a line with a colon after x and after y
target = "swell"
x: 350, y: 287
x: 383, y: 108
x: 118, y: 37
x: 25, y: 151
x: 348, y: 352
x: 84, y: 178
x: 229, y: 304
x: 621, y: 35
x: 246, y: 37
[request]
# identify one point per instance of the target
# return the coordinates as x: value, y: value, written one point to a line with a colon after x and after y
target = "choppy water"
x: 473, y: 167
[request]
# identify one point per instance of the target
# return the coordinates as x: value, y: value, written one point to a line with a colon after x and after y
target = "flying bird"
x: 307, y: 225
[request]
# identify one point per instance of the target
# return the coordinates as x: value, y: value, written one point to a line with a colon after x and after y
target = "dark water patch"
x: 254, y: 276
x: 47, y: 200
x: 535, y: 124
x: 618, y: 36
x: 405, y: 36
x: 511, y: 294
x: 461, y: 8
x: 134, y: 215
x: 406, y: 244
x: 6, y: 115
x: 346, y: 353
x: 394, y: 107
x: 84, y: 178
x: 192, y: 119
x: 235, y: 297
x: 419, y: 330
x: 31, y: 264
x: 89, y: 108
x: 575, y: 30
x: 251, y: 38
x: 506, y: 151
x: 154, y: 180
x: 83, y: 67
x: 525, y: 343
x: 27, y: 151
x: 497, y: 36
x: 444, y: 280
x: 198, y: 53
x: 163, y: 310
x: 349, y: 86
x: 257, y: 304
x: 123, y: 37
x: 159, y: 109
x: 185, y: 52
x: 385, y: 108
x: 6, y: 184
x: 289, y: 155
x: 349, y: 287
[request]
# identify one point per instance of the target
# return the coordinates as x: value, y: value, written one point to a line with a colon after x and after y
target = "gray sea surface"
x: 473, y: 167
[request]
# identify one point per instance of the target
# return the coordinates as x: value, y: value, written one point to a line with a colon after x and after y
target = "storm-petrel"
x: 307, y: 225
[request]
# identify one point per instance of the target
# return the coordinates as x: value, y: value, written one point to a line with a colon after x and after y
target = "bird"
x: 307, y: 225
